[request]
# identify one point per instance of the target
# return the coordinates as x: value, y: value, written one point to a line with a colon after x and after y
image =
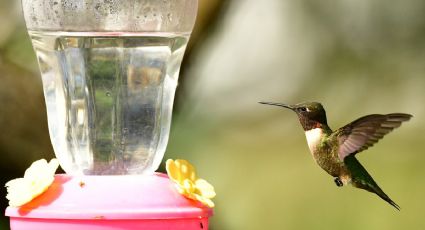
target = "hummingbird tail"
x: 362, y: 179
x: 387, y: 199
x: 371, y: 186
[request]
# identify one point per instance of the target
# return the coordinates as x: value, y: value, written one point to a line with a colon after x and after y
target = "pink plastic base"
x: 148, y: 202
x: 55, y: 224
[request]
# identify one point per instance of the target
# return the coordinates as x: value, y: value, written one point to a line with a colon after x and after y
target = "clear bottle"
x: 109, y: 75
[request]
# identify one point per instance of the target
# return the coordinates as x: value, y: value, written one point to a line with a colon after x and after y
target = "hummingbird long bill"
x: 335, y: 151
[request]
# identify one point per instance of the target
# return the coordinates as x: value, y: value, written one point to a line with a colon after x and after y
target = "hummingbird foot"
x: 338, y: 182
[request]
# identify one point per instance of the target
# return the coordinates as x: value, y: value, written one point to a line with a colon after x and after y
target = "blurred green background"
x: 355, y: 56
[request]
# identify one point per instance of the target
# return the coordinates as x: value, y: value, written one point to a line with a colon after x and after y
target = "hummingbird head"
x: 311, y: 114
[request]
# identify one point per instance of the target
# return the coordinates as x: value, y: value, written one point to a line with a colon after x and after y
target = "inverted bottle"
x: 109, y: 86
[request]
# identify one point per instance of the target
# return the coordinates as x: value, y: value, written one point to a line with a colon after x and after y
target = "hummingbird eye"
x: 303, y: 109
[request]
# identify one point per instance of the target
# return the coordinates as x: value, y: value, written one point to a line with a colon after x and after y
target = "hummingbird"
x: 335, y: 151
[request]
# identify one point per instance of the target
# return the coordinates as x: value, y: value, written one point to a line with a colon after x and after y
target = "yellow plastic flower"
x: 188, y: 184
x: 37, y: 179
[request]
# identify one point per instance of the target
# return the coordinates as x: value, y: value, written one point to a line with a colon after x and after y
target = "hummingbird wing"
x: 366, y: 131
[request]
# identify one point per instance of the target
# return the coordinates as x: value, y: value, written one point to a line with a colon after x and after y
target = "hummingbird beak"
x: 277, y: 104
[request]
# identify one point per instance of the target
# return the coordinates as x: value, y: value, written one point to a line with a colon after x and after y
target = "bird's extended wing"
x: 366, y: 131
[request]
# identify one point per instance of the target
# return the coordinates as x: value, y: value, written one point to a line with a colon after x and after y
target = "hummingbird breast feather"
x: 324, y: 152
x: 314, y: 137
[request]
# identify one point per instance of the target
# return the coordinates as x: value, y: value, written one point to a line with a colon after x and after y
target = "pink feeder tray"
x: 110, y: 202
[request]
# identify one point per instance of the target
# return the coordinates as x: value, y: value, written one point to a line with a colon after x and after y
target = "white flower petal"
x: 37, y: 179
